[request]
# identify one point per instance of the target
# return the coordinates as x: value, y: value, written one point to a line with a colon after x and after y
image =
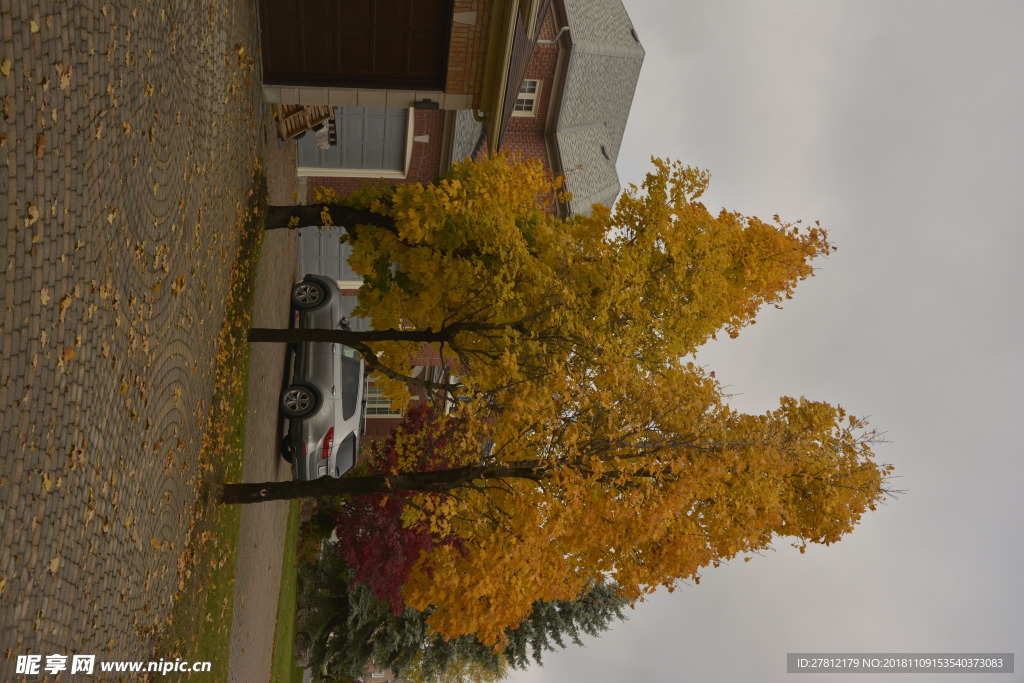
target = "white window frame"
x: 375, y: 404
x: 525, y: 97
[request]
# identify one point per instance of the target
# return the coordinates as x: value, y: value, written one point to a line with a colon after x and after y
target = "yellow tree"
x: 605, y: 456
x: 642, y: 479
x: 476, y: 264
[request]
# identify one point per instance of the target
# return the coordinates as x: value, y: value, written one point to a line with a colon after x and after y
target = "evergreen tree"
x: 351, y: 629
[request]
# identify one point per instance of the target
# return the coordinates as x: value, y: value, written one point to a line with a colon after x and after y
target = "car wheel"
x: 287, y: 449
x: 299, y: 400
x: 308, y: 294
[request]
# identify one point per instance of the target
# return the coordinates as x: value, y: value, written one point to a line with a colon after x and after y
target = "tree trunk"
x: 347, y: 337
x: 280, y: 217
x: 428, y: 482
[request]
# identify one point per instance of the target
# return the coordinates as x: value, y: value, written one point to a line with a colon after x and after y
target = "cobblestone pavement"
x: 127, y: 144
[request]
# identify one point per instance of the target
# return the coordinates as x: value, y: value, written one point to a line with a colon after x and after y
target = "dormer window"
x: 526, y: 102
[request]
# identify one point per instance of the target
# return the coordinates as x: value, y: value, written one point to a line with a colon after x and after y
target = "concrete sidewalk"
x: 261, y: 538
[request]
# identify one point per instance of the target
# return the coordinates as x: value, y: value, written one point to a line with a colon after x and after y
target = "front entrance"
x: 395, y: 44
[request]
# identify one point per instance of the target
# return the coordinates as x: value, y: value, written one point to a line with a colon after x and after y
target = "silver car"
x: 324, y: 401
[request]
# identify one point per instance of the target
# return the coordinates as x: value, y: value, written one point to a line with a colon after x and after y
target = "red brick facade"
x: 467, y: 53
x: 526, y: 134
x: 423, y: 166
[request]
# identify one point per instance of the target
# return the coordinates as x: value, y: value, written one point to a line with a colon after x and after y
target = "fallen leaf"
x: 32, y: 214
x: 54, y: 563
x: 65, y: 302
x: 40, y: 146
x: 34, y: 26
x: 5, y: 67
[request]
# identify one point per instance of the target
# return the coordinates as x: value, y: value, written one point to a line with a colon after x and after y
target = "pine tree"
x: 350, y: 629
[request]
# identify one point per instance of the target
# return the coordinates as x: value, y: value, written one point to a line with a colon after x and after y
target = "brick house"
x: 551, y: 79
x: 394, y: 71
x: 418, y: 84
x: 574, y: 98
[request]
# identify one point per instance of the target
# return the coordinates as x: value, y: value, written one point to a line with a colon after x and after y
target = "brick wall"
x: 426, y: 159
x: 525, y: 134
x: 467, y: 52
x: 378, y: 429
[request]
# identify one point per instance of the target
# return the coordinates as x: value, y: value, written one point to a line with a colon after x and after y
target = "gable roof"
x: 603, y: 65
x: 596, y: 84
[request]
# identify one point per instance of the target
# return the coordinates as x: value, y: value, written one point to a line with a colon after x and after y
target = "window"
x: 526, y: 103
x: 350, y: 378
x: 377, y: 404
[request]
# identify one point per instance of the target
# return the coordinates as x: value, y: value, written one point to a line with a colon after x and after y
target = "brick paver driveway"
x: 127, y: 143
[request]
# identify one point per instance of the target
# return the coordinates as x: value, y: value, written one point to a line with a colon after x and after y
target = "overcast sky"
x: 900, y: 126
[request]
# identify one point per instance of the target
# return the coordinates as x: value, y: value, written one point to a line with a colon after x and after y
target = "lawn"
x: 283, y: 664
x: 200, y: 624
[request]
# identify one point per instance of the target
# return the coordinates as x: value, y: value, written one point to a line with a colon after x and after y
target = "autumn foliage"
x: 376, y: 540
x: 476, y: 264
x: 585, y: 448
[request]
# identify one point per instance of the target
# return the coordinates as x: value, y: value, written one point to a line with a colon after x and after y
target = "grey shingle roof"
x: 601, y: 72
x: 604, y: 64
x: 467, y: 135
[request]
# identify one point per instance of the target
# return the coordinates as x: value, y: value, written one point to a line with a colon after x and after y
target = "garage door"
x: 399, y: 44
x: 322, y: 253
x: 368, y: 138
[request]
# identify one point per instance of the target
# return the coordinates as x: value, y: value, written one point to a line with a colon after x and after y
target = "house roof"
x: 603, y: 65
x: 598, y: 80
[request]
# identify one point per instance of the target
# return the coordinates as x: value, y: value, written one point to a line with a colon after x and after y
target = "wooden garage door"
x: 356, y: 43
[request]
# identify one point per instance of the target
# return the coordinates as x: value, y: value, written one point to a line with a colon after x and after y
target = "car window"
x: 346, y: 457
x: 350, y: 382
